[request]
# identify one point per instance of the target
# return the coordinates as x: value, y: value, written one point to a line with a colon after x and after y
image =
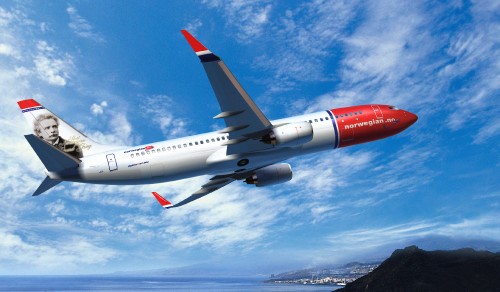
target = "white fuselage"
x: 195, y: 155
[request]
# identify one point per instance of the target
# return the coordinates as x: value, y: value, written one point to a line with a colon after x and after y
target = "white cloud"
x: 170, y: 125
x: 6, y: 17
x: 8, y: 50
x: 336, y: 169
x: 490, y: 130
x: 52, y: 67
x: 234, y: 217
x: 249, y: 18
x: 361, y: 240
x: 300, y: 41
x: 98, y: 109
x: 44, y: 27
x: 119, y: 131
x: 55, y: 207
x: 49, y: 256
x: 193, y: 26
x: 474, y: 53
x: 81, y: 26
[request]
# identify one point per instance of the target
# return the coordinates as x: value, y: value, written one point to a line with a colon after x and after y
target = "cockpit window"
x: 393, y: 108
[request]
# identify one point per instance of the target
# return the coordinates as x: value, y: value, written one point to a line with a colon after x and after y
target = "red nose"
x: 411, y: 118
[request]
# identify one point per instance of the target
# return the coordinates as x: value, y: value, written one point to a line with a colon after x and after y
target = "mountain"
x: 413, y: 269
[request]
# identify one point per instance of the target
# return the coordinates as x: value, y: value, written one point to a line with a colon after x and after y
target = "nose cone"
x: 411, y: 118
x: 407, y: 119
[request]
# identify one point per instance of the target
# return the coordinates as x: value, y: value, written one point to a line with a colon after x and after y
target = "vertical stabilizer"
x: 57, y: 132
x: 54, y: 159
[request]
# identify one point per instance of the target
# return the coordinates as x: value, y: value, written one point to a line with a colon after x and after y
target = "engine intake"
x: 271, y: 175
x: 294, y: 134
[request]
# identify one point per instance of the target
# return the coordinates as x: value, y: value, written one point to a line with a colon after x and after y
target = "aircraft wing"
x: 214, y: 184
x: 245, y: 122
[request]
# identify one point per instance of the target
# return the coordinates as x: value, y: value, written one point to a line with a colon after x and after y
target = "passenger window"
x: 360, y: 112
x: 355, y: 113
x: 341, y: 115
x: 185, y: 145
x: 195, y: 143
x: 316, y: 120
x: 132, y: 155
x: 190, y: 144
x: 213, y: 140
x: 321, y: 119
x: 142, y: 153
x: 173, y: 147
x: 336, y: 117
x: 152, y: 151
x: 169, y: 148
x: 147, y: 152
x: 163, y: 149
x: 310, y: 122
x: 326, y: 119
x: 201, y: 142
x: 137, y: 154
x: 223, y: 138
x: 218, y: 139
x: 179, y: 146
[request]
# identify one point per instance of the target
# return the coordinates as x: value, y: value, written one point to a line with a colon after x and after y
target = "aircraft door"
x: 112, y: 162
x: 378, y: 112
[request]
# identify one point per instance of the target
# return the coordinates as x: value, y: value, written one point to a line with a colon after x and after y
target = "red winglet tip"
x: 194, y: 43
x: 27, y: 103
x: 164, y: 202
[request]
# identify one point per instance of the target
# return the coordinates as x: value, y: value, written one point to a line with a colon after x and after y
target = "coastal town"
x: 325, y: 276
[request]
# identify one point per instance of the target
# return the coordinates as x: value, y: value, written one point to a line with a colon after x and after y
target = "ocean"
x: 131, y: 283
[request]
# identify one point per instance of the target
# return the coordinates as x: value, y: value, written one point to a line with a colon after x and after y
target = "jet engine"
x: 271, y: 175
x: 294, y: 134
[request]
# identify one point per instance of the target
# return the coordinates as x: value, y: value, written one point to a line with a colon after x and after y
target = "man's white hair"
x: 36, y: 123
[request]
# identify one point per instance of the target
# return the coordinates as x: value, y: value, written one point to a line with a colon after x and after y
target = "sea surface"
x: 131, y: 283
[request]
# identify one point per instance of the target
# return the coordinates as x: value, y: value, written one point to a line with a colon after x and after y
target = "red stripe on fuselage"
x: 28, y: 103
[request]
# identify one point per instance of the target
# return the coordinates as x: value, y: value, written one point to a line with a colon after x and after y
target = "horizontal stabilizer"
x: 47, y: 184
x: 54, y: 159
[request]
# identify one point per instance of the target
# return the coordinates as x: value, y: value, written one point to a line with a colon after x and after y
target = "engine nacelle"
x: 294, y: 134
x: 271, y: 175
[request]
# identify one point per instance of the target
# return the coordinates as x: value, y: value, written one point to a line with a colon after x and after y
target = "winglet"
x: 201, y: 51
x: 163, y: 202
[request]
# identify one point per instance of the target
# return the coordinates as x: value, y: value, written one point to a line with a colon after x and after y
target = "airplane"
x: 251, y: 148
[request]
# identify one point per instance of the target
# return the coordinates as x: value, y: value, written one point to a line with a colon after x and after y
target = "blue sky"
x: 122, y: 73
